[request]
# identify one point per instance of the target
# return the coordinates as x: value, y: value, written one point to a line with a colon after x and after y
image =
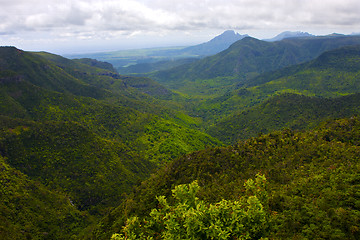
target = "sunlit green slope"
x: 287, y: 110
x: 313, y: 179
x: 332, y: 74
x: 85, y: 132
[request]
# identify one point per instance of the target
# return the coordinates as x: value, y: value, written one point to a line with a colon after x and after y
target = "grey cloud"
x: 76, y: 16
x: 154, y: 15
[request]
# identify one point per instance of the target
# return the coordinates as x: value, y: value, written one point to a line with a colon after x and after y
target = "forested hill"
x: 82, y: 136
x: 21, y: 66
x: 249, y: 57
x: 312, y: 175
x: 343, y: 59
x: 287, y: 110
x: 313, y: 181
x: 101, y: 146
x: 333, y: 74
x: 42, y: 86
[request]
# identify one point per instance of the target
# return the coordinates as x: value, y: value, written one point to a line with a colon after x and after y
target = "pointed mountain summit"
x: 227, y: 37
x: 289, y: 34
x: 215, y: 45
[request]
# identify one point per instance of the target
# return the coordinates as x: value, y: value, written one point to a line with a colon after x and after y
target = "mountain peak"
x: 215, y: 45
x: 335, y: 35
x: 229, y: 36
x: 228, y: 33
x: 289, y: 34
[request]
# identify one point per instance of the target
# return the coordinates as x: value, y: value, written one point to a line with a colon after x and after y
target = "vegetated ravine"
x: 83, y: 149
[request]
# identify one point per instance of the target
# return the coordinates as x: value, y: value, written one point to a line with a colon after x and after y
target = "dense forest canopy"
x: 261, y: 140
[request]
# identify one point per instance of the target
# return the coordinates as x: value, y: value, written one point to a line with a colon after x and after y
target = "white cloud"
x: 99, y: 19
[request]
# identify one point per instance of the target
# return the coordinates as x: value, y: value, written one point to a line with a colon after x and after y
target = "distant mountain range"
x: 185, y: 55
x: 215, y: 45
x: 249, y: 57
x: 289, y: 34
x: 150, y: 58
x: 140, y: 61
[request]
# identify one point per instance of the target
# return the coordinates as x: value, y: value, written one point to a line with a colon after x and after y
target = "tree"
x: 191, y: 218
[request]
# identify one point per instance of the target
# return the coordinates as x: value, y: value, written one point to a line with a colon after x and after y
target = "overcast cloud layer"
x: 36, y: 23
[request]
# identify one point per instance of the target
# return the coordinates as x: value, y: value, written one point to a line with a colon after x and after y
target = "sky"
x: 85, y: 26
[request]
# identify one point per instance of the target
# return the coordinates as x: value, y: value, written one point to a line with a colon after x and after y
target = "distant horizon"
x: 87, y: 26
x: 97, y: 48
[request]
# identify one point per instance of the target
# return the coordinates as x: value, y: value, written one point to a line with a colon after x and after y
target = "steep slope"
x: 125, y: 113
x: 125, y: 124
x: 284, y: 111
x: 343, y: 59
x: 101, y: 75
x: 23, y: 99
x: 94, y: 172
x: 313, y: 181
x: 247, y: 58
x: 43, y: 73
x: 92, y: 149
x: 334, y: 73
x: 31, y: 211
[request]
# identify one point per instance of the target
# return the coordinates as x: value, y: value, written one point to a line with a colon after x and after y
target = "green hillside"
x: 30, y: 211
x: 246, y: 59
x: 83, y: 148
x: 127, y: 107
x: 94, y: 172
x: 313, y: 182
x: 103, y: 76
x: 147, y: 67
x: 96, y: 63
x: 84, y: 133
x: 317, y: 78
x: 287, y: 110
x: 312, y: 175
x: 40, y: 72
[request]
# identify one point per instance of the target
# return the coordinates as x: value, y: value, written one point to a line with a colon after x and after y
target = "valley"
x: 87, y: 143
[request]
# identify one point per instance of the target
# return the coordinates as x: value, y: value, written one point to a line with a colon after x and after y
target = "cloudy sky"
x: 66, y: 26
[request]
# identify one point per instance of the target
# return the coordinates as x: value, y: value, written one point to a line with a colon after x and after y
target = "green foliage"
x: 284, y: 111
x: 148, y: 86
x: 43, y: 73
x: 168, y: 140
x: 123, y: 115
x: 77, y: 136
x: 191, y: 218
x: 149, y: 67
x: 29, y: 210
x: 86, y: 132
x: 250, y: 57
x: 96, y: 63
x: 63, y: 155
x: 312, y: 181
x: 317, y: 78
